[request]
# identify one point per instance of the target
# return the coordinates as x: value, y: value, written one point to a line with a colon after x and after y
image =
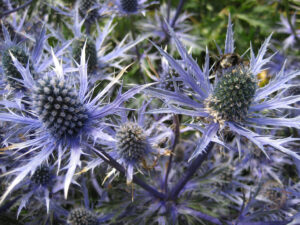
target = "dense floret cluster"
x: 131, y: 141
x: 232, y: 96
x: 90, y: 51
x: 82, y: 216
x: 42, y: 176
x: 129, y: 5
x: 58, y: 107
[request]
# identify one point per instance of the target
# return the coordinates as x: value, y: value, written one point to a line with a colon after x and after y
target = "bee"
x: 228, y: 60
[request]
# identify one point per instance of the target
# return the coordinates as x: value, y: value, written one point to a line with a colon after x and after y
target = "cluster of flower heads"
x: 81, y: 146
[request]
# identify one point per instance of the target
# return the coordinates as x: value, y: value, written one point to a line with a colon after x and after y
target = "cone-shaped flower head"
x: 42, y: 176
x: 129, y: 5
x: 233, y: 100
x: 86, y: 7
x: 10, y: 71
x: 90, y: 51
x: 58, y: 106
x: 82, y: 216
x: 63, y: 116
x: 131, y: 141
x: 135, y: 142
x: 232, y: 95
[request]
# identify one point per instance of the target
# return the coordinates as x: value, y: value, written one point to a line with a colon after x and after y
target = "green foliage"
x: 253, y: 20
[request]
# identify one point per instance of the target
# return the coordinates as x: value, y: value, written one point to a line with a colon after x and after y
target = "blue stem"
x: 178, y: 10
x: 121, y: 169
x: 190, y: 172
x: 176, y: 122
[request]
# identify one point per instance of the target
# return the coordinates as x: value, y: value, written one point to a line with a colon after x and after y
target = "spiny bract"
x: 9, y: 28
x: 129, y: 5
x: 10, y: 71
x: 58, y: 106
x: 131, y: 141
x: 232, y: 95
x: 90, y: 51
x: 41, y: 176
x: 82, y: 216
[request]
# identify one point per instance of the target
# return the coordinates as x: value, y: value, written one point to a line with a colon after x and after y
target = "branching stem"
x: 176, y: 123
x: 16, y: 9
x: 107, y: 158
x: 173, y: 194
x: 178, y: 10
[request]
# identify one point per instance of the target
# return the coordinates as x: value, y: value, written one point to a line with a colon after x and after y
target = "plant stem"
x: 16, y: 9
x: 107, y: 158
x: 132, y: 29
x: 168, y: 10
x: 190, y: 172
x: 178, y: 10
x: 175, y: 142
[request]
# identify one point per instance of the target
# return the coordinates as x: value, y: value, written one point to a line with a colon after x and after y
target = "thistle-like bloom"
x: 135, y: 143
x: 62, y: 118
x: 287, y: 29
x: 82, y: 216
x: 156, y: 27
x: 130, y: 7
x: 233, y: 101
x: 90, y: 10
x: 101, y: 57
x: 35, y: 60
x: 39, y: 186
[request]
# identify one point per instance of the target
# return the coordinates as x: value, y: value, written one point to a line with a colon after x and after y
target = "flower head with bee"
x: 230, y: 98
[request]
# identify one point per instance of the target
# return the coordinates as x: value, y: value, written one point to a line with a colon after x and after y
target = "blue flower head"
x: 287, y: 28
x: 136, y: 143
x: 35, y: 60
x: 39, y: 186
x: 131, y: 7
x: 62, y: 118
x: 233, y: 100
x: 101, y: 56
x: 82, y: 216
x: 156, y: 27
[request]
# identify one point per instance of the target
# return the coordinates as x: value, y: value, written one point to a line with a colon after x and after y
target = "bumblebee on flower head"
x: 228, y: 60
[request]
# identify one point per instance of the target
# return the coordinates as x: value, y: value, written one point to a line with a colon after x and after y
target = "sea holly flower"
x: 35, y: 60
x: 62, y: 118
x: 131, y: 7
x: 82, y: 216
x: 38, y: 186
x: 10, y: 70
x: 136, y: 143
x: 233, y: 101
x: 101, y: 57
x: 88, y: 7
x: 90, y: 49
x: 156, y: 27
x: 287, y: 28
